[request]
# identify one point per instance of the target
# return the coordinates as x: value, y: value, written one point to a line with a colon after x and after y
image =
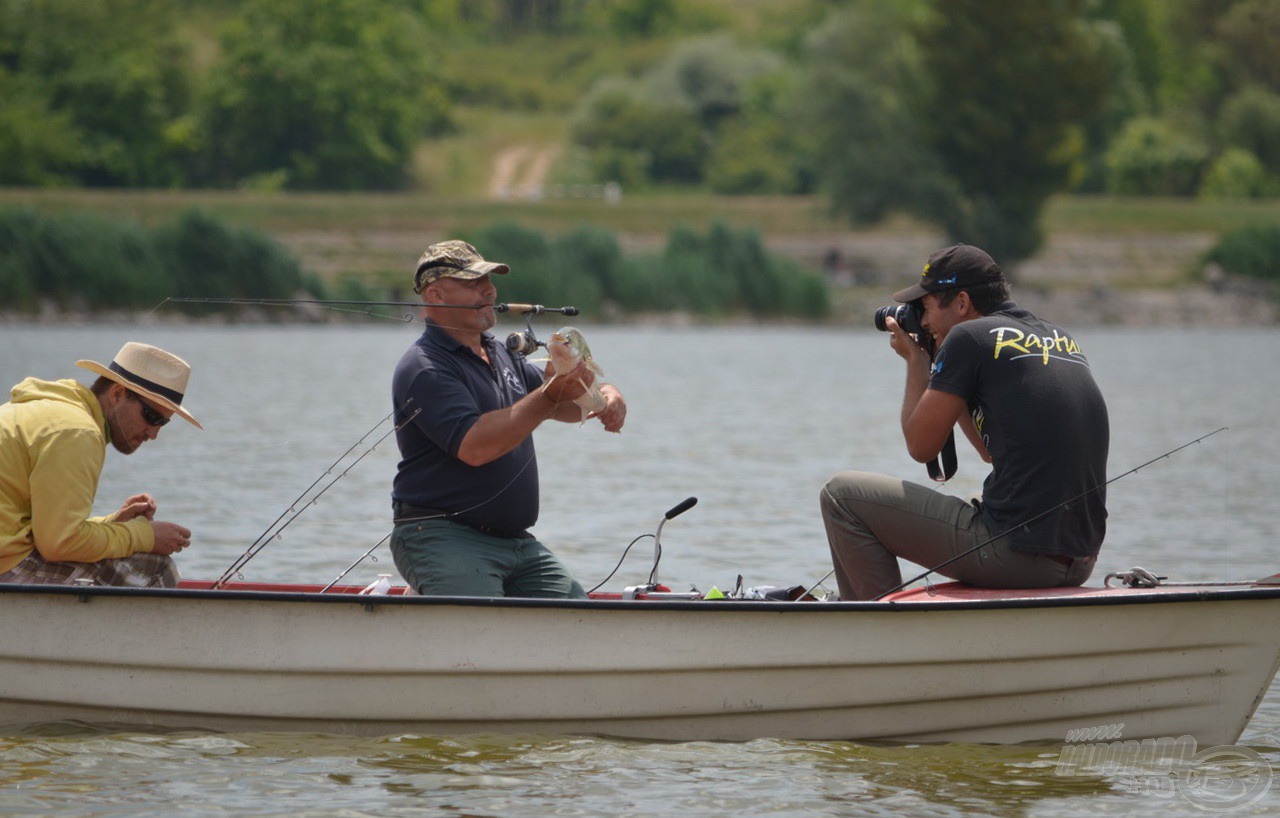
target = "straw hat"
x: 157, y: 375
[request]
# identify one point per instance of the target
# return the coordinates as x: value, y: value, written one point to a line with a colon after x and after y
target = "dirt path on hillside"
x: 521, y: 171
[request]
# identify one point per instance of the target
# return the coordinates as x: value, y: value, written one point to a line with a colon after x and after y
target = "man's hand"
x: 614, y: 413
x: 569, y: 386
x: 170, y: 538
x: 139, y: 505
x: 904, y: 344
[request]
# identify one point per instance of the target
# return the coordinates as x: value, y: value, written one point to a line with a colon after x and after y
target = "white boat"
x: 947, y: 664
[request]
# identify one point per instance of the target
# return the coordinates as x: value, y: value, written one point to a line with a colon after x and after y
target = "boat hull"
x: 995, y: 670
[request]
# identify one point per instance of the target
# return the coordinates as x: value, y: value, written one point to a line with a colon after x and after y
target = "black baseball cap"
x: 953, y: 268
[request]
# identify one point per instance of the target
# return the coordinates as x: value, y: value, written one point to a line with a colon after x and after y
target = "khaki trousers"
x: 873, y: 519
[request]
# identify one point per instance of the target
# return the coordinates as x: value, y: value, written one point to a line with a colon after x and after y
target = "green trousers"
x: 443, y: 558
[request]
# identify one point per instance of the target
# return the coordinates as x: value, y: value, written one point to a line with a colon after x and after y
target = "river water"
x: 751, y: 421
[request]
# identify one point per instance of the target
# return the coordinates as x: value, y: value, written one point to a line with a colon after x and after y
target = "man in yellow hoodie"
x: 53, y: 442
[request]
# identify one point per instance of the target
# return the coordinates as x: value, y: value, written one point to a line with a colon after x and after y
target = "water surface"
x: 751, y: 422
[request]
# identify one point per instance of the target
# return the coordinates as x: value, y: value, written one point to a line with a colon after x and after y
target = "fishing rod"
x: 517, y: 309
x: 677, y: 510
x: 359, y: 560
x: 272, y: 531
x: 1037, y: 518
x: 441, y: 516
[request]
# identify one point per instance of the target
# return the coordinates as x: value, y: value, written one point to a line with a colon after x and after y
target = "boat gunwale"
x: 1117, y: 597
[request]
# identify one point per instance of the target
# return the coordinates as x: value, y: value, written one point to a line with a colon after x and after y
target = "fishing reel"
x: 526, y: 343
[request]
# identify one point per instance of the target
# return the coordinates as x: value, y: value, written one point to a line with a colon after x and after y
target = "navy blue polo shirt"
x: 452, y: 387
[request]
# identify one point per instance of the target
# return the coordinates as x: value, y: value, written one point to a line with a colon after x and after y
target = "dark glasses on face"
x: 150, y: 415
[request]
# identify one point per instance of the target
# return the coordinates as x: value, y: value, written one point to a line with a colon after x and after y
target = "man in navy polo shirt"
x: 466, y: 490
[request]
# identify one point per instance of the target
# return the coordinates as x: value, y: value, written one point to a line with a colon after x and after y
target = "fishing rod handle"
x: 533, y: 309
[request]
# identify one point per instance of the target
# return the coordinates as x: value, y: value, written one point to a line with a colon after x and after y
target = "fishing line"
x: 1037, y: 518
x: 332, y: 306
x: 274, y: 530
x: 446, y: 515
x: 443, y: 516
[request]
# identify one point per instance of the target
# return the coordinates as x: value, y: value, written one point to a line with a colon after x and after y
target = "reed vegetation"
x: 86, y: 262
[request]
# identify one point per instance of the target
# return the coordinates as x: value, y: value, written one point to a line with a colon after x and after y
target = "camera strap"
x: 943, y: 467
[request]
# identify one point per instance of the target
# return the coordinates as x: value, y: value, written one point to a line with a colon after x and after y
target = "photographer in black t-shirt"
x: 1022, y: 392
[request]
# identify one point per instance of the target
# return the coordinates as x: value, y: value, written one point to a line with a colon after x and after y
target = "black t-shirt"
x: 451, y: 387
x: 1044, y: 422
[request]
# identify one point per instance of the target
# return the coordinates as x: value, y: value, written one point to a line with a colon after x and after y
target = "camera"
x: 907, y: 315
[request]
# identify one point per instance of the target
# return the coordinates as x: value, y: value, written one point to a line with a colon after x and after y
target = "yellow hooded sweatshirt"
x: 53, y: 441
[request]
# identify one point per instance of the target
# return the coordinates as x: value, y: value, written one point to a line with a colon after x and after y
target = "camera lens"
x: 883, y: 313
x: 906, y: 315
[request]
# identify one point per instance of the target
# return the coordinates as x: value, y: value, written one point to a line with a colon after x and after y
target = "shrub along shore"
x: 98, y: 255
x: 83, y: 262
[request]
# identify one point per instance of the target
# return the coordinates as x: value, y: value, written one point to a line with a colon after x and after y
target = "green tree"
x: 862, y: 100
x: 665, y: 125
x: 512, y: 16
x: 627, y: 132
x: 1237, y: 174
x: 1150, y: 55
x: 1010, y: 83
x: 710, y: 76
x: 1153, y: 157
x: 95, y: 92
x: 1250, y: 120
x: 965, y: 113
x: 759, y: 149
x: 38, y: 146
x: 642, y: 18
x: 328, y: 94
x: 1248, y: 31
x: 1141, y: 50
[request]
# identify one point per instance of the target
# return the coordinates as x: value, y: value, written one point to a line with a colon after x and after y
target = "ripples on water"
x: 751, y: 421
x: 78, y: 770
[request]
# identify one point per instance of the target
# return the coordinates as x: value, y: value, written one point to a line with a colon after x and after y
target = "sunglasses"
x: 150, y: 415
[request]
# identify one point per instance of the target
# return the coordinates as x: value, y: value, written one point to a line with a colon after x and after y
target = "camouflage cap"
x: 453, y: 259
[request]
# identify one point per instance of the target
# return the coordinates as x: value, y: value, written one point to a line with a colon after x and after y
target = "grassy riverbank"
x: 1106, y: 259
x: 781, y: 216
